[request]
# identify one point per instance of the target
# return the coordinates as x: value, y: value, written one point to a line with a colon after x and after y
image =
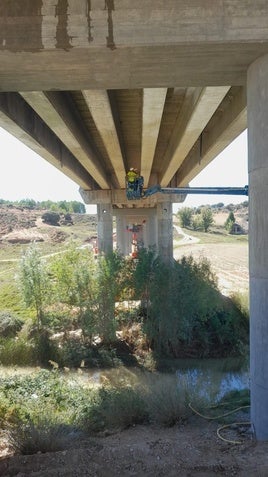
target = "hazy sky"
x: 24, y: 174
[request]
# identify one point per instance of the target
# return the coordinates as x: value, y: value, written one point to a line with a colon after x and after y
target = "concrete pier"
x: 258, y: 242
x: 165, y: 230
x: 105, y: 228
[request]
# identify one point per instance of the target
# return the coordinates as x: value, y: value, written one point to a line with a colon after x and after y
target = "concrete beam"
x: 21, y: 121
x: 153, y: 105
x: 199, y: 106
x: 228, y: 123
x: 99, y: 106
x: 55, y: 112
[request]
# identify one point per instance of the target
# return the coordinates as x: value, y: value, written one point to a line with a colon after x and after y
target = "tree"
x: 34, y: 281
x: 185, y: 216
x: 206, y: 218
x: 109, y: 275
x: 229, y: 222
x: 30, y: 203
x: 197, y: 222
x: 78, y: 207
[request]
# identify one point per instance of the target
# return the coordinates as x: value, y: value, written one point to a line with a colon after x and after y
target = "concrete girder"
x: 55, y: 112
x: 221, y: 131
x: 99, y: 106
x: 21, y: 121
x: 153, y: 105
x: 199, y: 106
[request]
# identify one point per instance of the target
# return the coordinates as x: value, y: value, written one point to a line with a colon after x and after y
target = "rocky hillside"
x: 23, y: 225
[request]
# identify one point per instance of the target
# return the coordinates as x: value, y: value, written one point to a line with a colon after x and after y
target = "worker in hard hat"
x: 134, y: 184
x: 132, y: 175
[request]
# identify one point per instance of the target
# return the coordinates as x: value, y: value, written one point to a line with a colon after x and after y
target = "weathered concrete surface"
x: 258, y: 245
x: 105, y: 228
x: 165, y: 231
x: 126, y: 44
x: 119, y: 197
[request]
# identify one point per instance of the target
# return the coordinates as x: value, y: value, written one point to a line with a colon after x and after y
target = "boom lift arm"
x: 196, y: 190
x: 134, y: 190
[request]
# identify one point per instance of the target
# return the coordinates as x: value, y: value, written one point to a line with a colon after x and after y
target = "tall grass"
x: 43, y: 436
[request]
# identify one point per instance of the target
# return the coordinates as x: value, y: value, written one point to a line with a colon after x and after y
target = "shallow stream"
x: 216, y: 377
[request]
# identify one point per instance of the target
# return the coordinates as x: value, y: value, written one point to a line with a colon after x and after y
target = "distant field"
x: 228, y: 256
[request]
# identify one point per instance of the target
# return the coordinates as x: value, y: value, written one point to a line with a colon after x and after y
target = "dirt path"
x: 186, y: 238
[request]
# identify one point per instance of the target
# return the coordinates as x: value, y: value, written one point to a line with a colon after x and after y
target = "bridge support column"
x: 105, y: 228
x: 165, y: 230
x: 122, y: 239
x: 144, y: 219
x: 258, y: 242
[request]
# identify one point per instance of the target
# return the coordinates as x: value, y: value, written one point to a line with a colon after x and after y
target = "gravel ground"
x: 188, y: 450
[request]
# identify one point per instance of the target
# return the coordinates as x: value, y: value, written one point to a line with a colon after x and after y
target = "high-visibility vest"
x: 132, y: 176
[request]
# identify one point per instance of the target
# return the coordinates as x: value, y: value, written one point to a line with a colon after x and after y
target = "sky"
x: 25, y: 175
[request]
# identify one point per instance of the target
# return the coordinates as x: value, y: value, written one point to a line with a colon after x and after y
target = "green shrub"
x: 45, y: 349
x: 44, y: 393
x: 44, y: 436
x: 25, y: 351
x: 186, y: 315
x: 115, y: 408
x: 166, y: 401
x: 10, y: 324
x: 241, y: 301
x: 72, y: 352
x: 236, y: 398
x: 17, y: 352
x: 51, y: 218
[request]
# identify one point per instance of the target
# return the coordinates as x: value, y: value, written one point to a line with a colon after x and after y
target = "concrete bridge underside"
x: 98, y: 86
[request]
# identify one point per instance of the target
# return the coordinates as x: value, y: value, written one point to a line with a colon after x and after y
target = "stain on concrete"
x: 110, y: 7
x: 89, y: 21
x: 63, y: 40
x: 21, y: 25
